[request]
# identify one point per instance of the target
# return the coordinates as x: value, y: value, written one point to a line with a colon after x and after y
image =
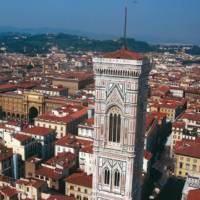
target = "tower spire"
x: 125, y: 29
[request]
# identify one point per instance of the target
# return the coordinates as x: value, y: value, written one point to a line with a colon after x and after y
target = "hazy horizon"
x: 157, y: 21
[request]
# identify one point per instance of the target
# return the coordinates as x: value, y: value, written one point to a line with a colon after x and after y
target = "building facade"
x: 120, y: 107
x: 25, y: 106
x: 79, y: 185
x: 187, y: 159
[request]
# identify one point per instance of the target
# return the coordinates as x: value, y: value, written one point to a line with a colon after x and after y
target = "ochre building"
x: 28, y: 105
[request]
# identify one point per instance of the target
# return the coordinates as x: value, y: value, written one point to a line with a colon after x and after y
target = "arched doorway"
x: 33, y: 113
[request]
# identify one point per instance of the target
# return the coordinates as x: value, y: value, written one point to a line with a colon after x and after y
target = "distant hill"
x: 41, y: 43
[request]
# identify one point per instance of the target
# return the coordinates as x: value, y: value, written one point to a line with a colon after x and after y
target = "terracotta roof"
x: 30, y: 182
x: 178, y: 125
x: 60, y: 197
x: 36, y: 130
x: 87, y: 149
x: 48, y: 172
x: 22, y: 137
x: 80, y: 178
x: 73, y: 141
x: 90, y: 121
x: 5, y: 179
x: 124, y: 54
x: 188, y: 148
x: 8, y: 191
x: 194, y: 194
x: 64, y: 159
x: 27, y: 85
x: 72, y: 115
x: 158, y: 115
x: 191, y: 116
x: 7, y: 87
x: 54, y: 118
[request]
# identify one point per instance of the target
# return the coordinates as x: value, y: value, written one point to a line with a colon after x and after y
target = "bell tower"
x: 121, y: 98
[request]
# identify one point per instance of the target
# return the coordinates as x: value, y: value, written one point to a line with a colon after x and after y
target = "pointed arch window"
x: 117, y: 178
x: 114, y: 127
x: 107, y: 176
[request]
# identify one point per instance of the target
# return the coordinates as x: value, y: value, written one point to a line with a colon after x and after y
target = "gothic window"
x: 114, y: 125
x: 116, y: 178
x: 107, y: 176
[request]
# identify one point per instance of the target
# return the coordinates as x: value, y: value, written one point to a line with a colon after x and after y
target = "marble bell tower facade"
x: 120, y: 107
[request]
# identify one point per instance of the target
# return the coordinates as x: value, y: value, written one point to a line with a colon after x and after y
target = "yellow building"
x: 79, y: 185
x: 178, y: 128
x: 28, y: 105
x: 30, y: 188
x: 187, y: 158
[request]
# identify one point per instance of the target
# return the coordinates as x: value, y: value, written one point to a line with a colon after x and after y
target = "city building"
x: 26, y: 105
x: 6, y: 161
x: 45, y: 138
x: 30, y: 188
x: 178, y: 128
x: 23, y: 147
x: 151, y: 133
x: 63, y: 120
x: 54, y: 91
x: 191, y: 188
x: 54, y: 170
x: 74, y: 81
x: 187, y: 158
x: 120, y: 112
x: 79, y: 185
x: 71, y: 143
x: 31, y: 165
x: 86, y: 129
x: 86, y: 159
x: 8, y: 193
x: 172, y: 108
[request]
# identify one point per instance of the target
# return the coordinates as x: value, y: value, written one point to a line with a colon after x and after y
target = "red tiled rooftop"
x: 27, y: 85
x: 124, y: 54
x: 188, y: 148
x: 48, y: 172
x: 191, y: 116
x: 90, y: 121
x: 158, y: 115
x: 22, y: 137
x: 74, y: 76
x: 36, y: 130
x: 5, y: 179
x: 194, y: 194
x: 87, y: 149
x: 73, y: 141
x: 65, y: 159
x: 72, y: 114
x: 30, y: 182
x: 54, y: 118
x: 8, y: 191
x: 60, y: 197
x: 6, y: 87
x: 80, y: 178
x: 178, y: 125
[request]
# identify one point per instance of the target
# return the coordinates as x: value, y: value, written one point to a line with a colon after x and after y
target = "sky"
x: 150, y: 20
